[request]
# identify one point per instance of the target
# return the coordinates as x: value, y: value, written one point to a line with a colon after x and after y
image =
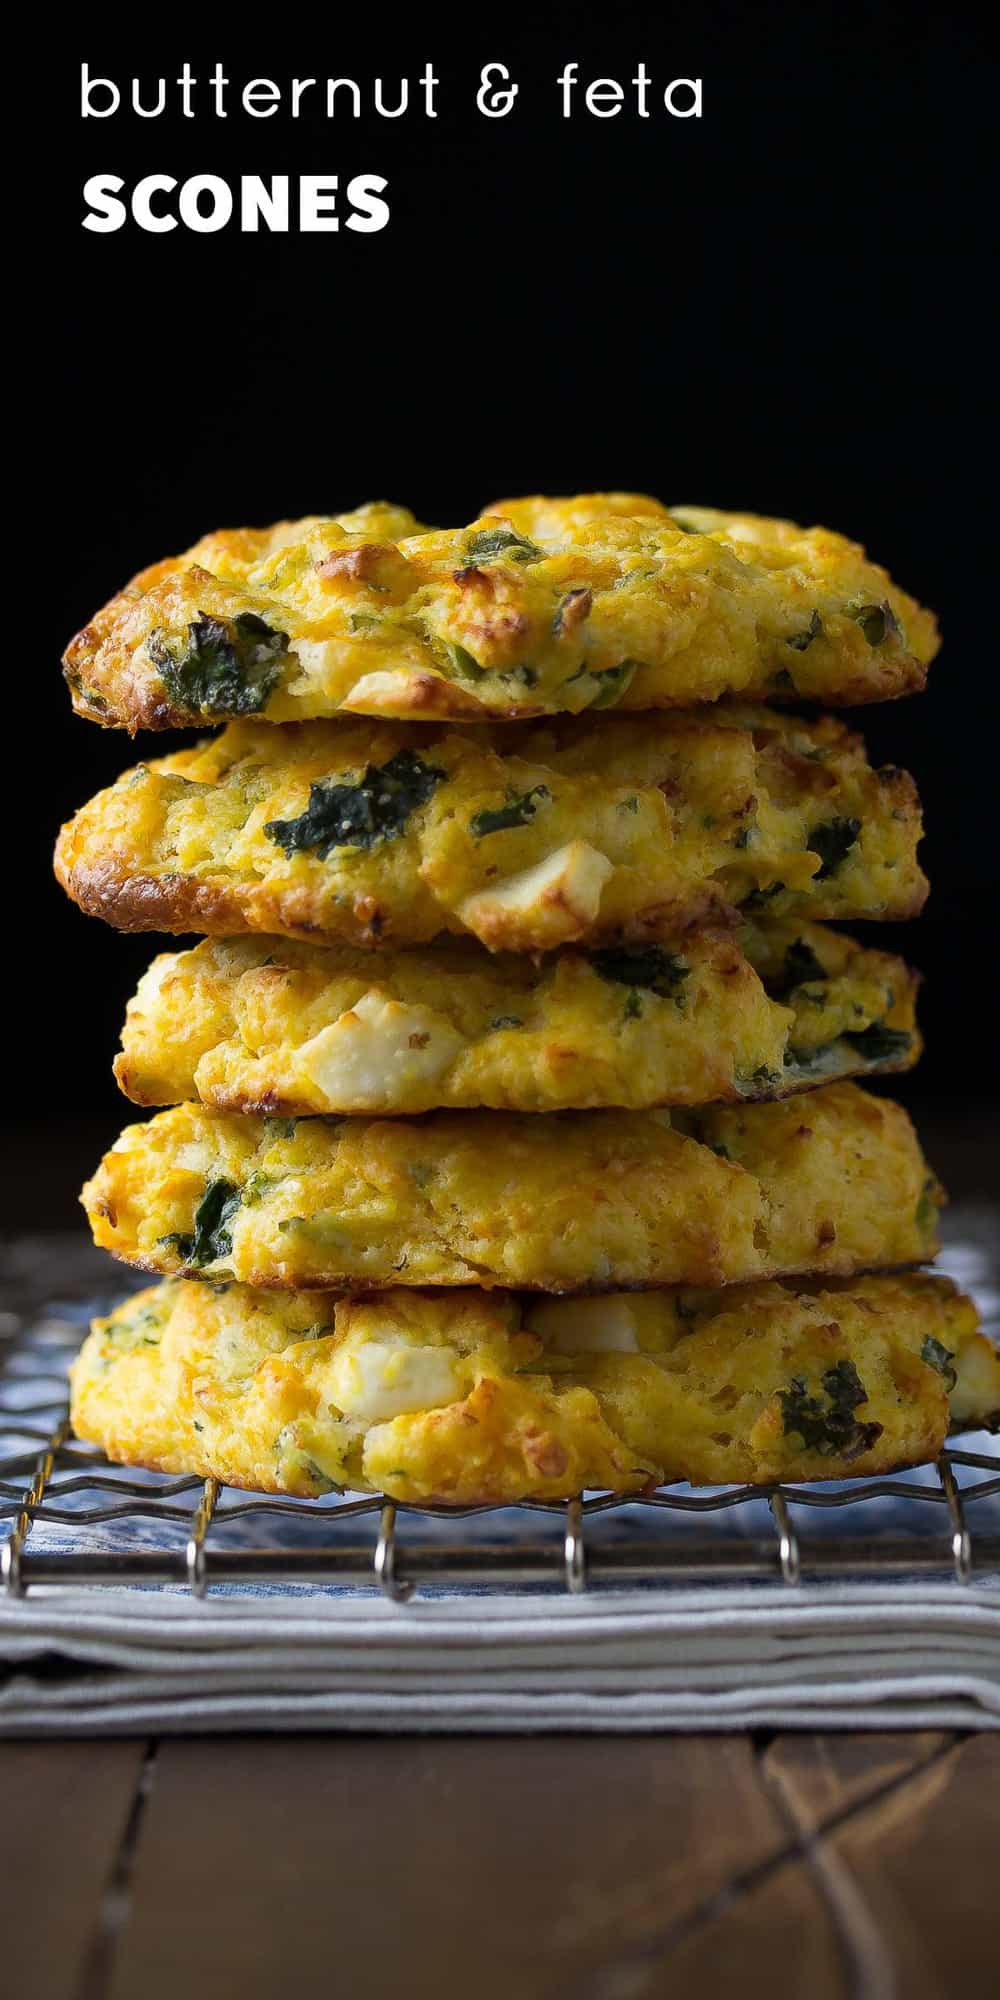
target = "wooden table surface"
x: 558, y: 1868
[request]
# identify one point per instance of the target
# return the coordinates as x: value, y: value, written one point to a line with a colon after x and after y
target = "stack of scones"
x: 514, y: 1143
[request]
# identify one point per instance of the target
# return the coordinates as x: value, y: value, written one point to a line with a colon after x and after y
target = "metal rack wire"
x: 49, y: 1482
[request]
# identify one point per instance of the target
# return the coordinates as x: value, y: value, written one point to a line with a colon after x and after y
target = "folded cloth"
x: 838, y: 1655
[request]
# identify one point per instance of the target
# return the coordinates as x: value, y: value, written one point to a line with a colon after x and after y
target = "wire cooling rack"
x: 76, y: 1519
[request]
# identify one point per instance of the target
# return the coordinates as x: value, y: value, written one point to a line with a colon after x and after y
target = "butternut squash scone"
x: 581, y: 1200
x: 539, y: 607
x: 487, y: 1397
x: 527, y: 836
x: 267, y: 1025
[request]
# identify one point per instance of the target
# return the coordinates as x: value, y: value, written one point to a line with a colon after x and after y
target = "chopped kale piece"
x: 519, y: 809
x: 830, y: 1428
x: 647, y: 966
x: 879, y: 1043
x: 222, y: 667
x: 832, y: 840
x: 938, y: 1356
x: 633, y: 1006
x: 210, y: 1239
x: 878, y: 622
x: 374, y: 808
x: 801, y: 964
x: 491, y: 544
x: 801, y: 641
x: 363, y: 621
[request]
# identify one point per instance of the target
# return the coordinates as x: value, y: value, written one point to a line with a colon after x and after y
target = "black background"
x: 779, y: 307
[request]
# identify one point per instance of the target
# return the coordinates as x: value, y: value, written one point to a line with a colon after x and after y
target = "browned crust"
x: 487, y: 1281
x: 177, y: 904
x: 147, y: 709
x: 108, y: 686
x: 491, y: 1496
x: 438, y: 700
x: 274, y: 1104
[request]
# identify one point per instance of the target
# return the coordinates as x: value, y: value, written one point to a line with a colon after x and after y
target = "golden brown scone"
x: 577, y: 1201
x: 261, y: 1025
x: 484, y: 1397
x: 527, y: 836
x: 539, y: 607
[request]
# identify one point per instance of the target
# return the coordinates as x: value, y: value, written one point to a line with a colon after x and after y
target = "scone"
x: 578, y: 1201
x: 527, y: 836
x: 539, y: 607
x: 483, y: 1397
x: 261, y: 1025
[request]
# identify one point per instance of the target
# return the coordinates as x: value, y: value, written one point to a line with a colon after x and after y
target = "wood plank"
x: 924, y: 1863
x: 429, y: 1866
x: 776, y: 1939
x: 820, y: 1775
x: 65, y: 1809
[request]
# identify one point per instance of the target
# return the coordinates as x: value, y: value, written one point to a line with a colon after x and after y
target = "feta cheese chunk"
x: 556, y: 900
x: 585, y: 1326
x: 376, y: 1380
x: 377, y: 1048
x: 405, y: 691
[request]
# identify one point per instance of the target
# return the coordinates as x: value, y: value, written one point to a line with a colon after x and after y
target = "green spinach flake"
x: 633, y: 1006
x: 222, y: 667
x: 758, y: 899
x: 801, y: 641
x: 506, y: 1021
x: 649, y: 967
x: 463, y: 664
x: 374, y: 808
x: 612, y: 683
x: 210, y: 1239
x: 518, y: 810
x: 830, y: 1427
x: 801, y: 965
x: 879, y: 1043
x: 878, y: 622
x: 493, y: 544
x: 759, y: 1077
x: 832, y: 840
x: 938, y: 1356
